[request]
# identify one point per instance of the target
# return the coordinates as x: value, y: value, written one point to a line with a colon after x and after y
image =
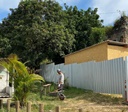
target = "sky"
x: 108, y: 10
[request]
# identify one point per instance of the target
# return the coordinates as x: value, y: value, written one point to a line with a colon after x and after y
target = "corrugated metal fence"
x: 103, y: 77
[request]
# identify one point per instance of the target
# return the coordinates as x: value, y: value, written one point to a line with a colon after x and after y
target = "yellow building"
x: 99, y: 52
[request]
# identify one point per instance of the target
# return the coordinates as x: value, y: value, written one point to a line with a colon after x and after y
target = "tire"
x: 61, y: 97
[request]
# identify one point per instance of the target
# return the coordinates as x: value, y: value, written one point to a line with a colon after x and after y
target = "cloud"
x: 6, y: 4
x: 110, y: 10
x: 69, y: 2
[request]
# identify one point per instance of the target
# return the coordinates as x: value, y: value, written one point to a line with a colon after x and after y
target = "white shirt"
x: 61, y: 78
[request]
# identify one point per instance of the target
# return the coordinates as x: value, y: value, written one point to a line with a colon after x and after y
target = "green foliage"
x: 75, y: 96
x: 97, y: 35
x: 109, y: 31
x: 66, y: 83
x: 23, y: 81
x: 80, y: 23
x: 4, y: 46
x: 35, y: 31
x: 120, y: 21
x: 46, y: 61
x: 39, y: 30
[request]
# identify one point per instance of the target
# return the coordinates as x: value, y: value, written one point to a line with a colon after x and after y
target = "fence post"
x: 126, y: 92
x: 17, y: 106
x: 1, y: 103
x: 28, y: 106
x: 41, y: 108
x: 57, y: 109
x: 80, y: 110
x: 8, y: 105
x: 126, y: 82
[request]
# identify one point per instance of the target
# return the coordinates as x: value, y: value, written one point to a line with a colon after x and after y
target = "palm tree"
x: 23, y: 80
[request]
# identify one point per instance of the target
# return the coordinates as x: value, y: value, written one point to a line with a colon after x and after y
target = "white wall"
x: 4, y: 79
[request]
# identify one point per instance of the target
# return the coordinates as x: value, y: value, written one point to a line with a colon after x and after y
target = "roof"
x: 4, y: 95
x: 109, y: 42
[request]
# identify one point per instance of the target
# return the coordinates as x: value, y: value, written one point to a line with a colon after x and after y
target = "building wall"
x: 4, y: 79
x: 96, y: 52
x: 116, y: 52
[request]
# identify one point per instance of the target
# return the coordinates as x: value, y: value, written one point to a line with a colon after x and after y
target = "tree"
x: 81, y: 23
x: 4, y: 46
x: 39, y: 30
x: 23, y: 81
x: 36, y: 32
x: 97, y: 35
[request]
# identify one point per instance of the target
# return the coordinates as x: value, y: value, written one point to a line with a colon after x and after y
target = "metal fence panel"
x: 103, y: 77
x: 109, y: 76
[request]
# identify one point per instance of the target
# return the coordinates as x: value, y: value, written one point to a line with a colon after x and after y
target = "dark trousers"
x: 61, y: 87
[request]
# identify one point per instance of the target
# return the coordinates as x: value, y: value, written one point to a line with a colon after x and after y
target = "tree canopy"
x: 37, y: 31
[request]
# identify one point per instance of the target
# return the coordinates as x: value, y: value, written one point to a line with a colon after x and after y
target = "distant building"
x: 106, y: 50
x: 116, y: 46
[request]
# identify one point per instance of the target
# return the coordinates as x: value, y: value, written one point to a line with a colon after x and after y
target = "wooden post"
x: 49, y: 88
x: 17, y: 106
x: 41, y: 108
x: 41, y: 92
x: 28, y: 106
x: 1, y: 103
x: 80, y: 110
x: 8, y: 105
x: 57, y: 109
x: 45, y: 90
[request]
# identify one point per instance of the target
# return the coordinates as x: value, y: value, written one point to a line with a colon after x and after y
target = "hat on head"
x: 58, y: 70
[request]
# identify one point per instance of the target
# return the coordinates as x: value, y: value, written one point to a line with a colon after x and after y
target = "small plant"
x: 66, y: 83
x: 46, y: 61
x: 23, y: 80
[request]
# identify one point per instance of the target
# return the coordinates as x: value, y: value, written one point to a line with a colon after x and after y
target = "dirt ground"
x: 92, y: 107
x: 74, y: 105
x: 94, y: 104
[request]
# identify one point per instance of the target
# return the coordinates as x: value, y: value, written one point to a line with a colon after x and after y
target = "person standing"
x: 60, y: 80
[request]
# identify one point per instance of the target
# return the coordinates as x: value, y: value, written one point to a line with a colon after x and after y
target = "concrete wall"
x: 96, y: 52
x: 117, y: 52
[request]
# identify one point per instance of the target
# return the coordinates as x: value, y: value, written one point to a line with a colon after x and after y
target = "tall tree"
x: 35, y: 31
x: 39, y: 30
x: 97, y: 35
x: 81, y: 22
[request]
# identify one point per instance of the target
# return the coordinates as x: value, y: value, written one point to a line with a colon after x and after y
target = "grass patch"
x: 75, y: 98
